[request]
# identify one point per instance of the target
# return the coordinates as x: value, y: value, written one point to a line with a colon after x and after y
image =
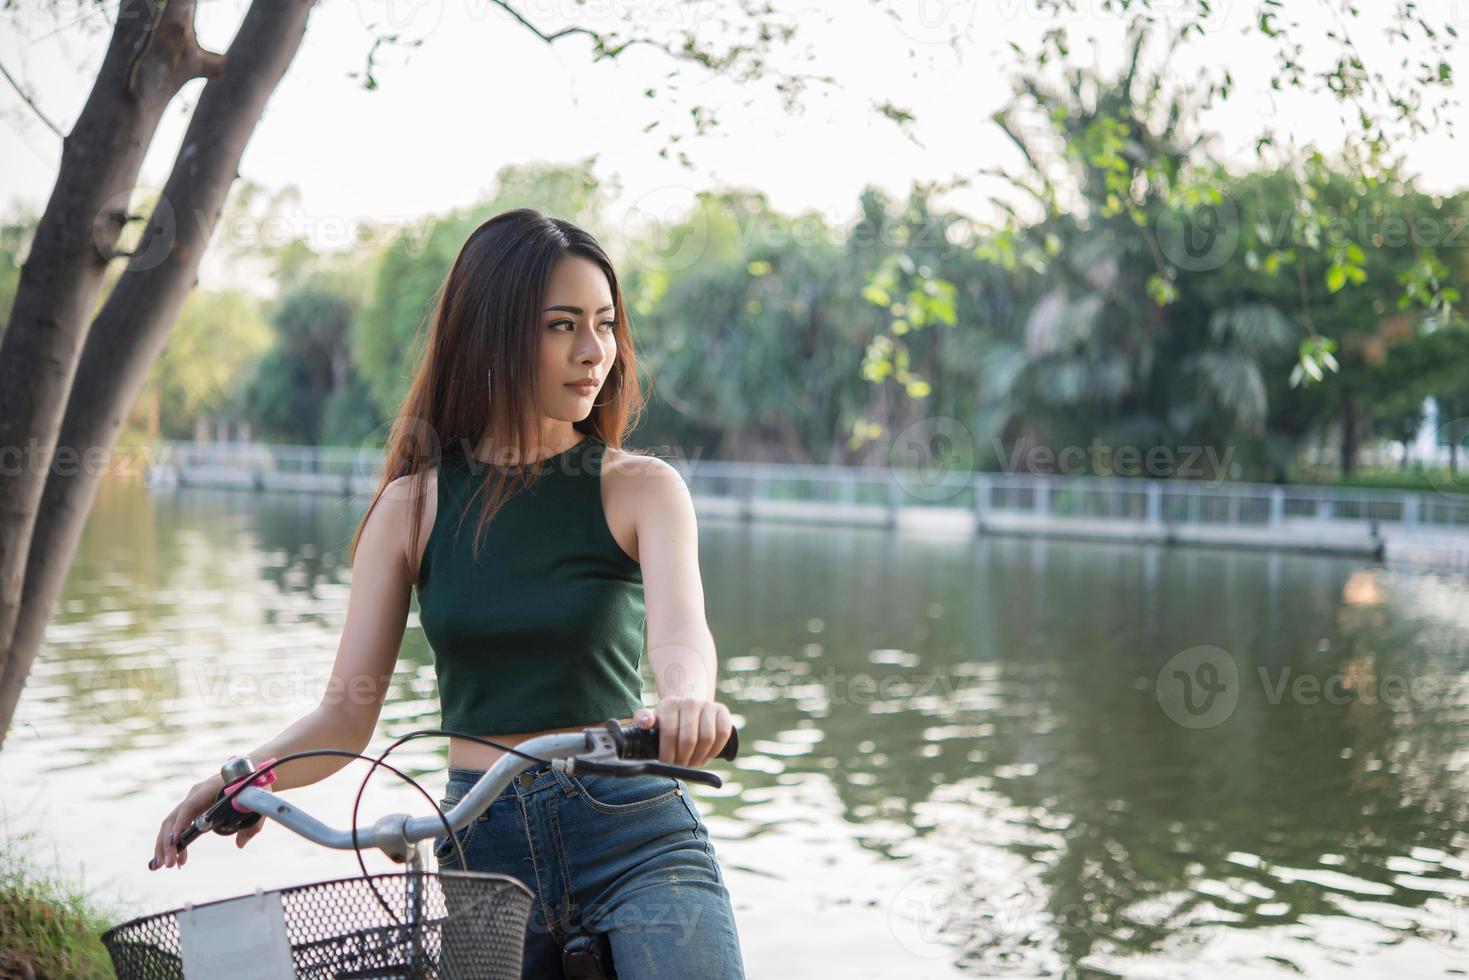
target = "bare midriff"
x: 464, y: 754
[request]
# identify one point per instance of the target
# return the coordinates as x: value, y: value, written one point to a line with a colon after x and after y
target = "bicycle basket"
x: 472, y: 924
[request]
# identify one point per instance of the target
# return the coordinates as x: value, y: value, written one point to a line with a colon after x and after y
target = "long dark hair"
x: 487, y: 320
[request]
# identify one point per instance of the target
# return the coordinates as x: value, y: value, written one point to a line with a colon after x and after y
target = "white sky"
x: 481, y: 92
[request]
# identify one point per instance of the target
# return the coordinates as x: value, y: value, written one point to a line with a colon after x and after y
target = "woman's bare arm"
x: 377, y: 613
x: 680, y: 645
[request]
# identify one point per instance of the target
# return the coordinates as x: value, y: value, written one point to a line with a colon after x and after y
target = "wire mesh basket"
x: 470, y: 924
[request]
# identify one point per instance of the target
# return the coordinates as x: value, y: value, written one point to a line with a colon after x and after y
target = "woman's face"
x: 577, y: 339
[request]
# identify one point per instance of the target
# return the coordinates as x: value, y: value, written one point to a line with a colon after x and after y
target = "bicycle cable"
x: 458, y: 845
x: 249, y: 780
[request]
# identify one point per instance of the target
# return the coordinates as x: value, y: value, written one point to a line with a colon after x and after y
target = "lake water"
x: 960, y: 757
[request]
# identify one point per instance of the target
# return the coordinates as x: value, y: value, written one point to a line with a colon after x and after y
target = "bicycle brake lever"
x: 683, y: 772
x: 227, y: 818
x: 213, y: 819
x: 622, y: 768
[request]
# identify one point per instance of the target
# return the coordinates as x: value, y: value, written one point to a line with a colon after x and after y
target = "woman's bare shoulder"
x: 628, y: 479
x: 405, y: 490
x: 401, y: 495
x: 630, y: 464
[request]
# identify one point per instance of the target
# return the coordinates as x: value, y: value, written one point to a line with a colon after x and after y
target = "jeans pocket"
x: 445, y: 853
x: 626, y: 794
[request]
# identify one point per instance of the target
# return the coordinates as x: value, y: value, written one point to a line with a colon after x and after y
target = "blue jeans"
x: 624, y: 855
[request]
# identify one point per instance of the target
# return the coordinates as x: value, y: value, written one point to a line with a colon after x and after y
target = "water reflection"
x: 956, y: 751
x: 988, y: 711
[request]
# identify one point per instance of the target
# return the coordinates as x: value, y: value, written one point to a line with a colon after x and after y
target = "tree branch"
x: 28, y: 101
x: 69, y: 379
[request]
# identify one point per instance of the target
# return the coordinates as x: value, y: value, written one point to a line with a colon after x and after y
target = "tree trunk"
x: 150, y: 56
x: 795, y: 452
x: 1349, y: 435
x: 75, y: 408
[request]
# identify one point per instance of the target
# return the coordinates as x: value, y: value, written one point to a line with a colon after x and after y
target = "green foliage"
x: 218, y: 339
x: 1381, y: 104
x: 14, y: 241
x: 913, y: 299
x: 49, y: 927
x: 311, y: 358
x: 282, y: 402
x: 387, y: 339
x: 748, y: 324
x: 764, y: 334
x: 349, y: 415
x: 1131, y: 337
x: 1119, y: 164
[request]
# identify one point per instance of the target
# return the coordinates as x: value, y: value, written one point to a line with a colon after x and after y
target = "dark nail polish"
x: 152, y: 864
x: 170, y: 839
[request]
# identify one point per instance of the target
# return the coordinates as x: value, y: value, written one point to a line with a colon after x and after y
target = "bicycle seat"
x: 588, y: 956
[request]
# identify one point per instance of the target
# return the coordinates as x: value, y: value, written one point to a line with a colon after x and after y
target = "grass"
x: 1416, y: 478
x: 49, y: 927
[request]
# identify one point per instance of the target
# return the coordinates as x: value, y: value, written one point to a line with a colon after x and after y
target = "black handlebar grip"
x: 642, y: 743
x: 228, y: 820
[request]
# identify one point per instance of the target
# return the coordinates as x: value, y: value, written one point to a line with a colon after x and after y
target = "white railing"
x: 266, y: 456
x: 1256, y: 505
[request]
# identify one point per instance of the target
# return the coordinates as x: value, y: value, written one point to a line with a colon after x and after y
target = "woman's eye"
x: 609, y: 324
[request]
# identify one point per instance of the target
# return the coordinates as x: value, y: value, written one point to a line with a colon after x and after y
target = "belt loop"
x: 568, y: 788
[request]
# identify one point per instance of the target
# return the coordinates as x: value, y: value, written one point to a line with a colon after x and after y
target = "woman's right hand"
x: 201, y: 796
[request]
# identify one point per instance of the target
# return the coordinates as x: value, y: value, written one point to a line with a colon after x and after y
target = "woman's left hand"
x: 691, y: 731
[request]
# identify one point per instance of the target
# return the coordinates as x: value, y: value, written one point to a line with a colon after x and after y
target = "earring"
x: 614, y: 397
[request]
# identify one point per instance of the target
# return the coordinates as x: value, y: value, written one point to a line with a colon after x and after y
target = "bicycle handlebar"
x: 642, y: 743
x: 590, y: 750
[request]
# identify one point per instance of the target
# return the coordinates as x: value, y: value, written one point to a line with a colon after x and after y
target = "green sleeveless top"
x: 547, y: 629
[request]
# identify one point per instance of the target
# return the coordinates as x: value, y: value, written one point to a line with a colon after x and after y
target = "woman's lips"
x: 583, y: 389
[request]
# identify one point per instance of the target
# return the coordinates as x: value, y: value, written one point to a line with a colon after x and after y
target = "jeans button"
x: 526, y: 778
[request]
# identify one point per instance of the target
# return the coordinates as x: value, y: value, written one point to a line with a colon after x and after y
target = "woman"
x: 537, y: 617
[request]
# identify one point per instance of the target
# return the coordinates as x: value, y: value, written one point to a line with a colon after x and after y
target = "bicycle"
x: 440, y: 925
